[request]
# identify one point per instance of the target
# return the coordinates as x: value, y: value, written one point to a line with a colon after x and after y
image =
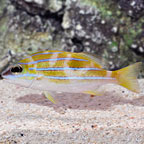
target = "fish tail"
x: 127, y: 77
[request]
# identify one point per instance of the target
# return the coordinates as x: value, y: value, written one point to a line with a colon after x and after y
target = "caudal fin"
x: 127, y: 77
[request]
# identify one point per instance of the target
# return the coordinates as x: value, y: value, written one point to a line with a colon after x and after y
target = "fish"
x: 61, y: 71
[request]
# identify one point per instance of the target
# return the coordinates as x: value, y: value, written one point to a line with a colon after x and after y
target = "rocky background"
x: 112, y: 29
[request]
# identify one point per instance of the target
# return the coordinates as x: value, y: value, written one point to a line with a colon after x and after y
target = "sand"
x: 27, y: 117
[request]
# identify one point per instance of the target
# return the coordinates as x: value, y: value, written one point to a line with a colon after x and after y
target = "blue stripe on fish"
x: 58, y: 77
x: 61, y: 68
x: 77, y: 78
x: 42, y: 54
x: 56, y: 59
x: 21, y: 75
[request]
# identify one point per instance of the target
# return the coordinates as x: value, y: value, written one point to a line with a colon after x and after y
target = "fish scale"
x: 63, y: 64
x: 69, y: 72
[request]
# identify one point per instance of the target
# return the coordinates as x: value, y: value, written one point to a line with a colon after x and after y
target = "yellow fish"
x: 69, y: 72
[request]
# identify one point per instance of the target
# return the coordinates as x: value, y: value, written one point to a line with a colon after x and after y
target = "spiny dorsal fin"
x: 99, y: 60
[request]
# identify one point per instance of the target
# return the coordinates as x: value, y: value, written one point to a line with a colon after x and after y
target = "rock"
x: 100, y: 27
x: 83, y: 25
x: 39, y: 6
x: 66, y: 23
x: 54, y: 5
x: 133, y: 8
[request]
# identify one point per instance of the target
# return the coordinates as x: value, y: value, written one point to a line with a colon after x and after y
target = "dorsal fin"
x: 99, y: 60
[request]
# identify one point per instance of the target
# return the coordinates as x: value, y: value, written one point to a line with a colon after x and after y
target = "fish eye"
x: 16, y: 69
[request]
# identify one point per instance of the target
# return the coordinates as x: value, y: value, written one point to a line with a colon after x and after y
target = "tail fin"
x: 127, y: 77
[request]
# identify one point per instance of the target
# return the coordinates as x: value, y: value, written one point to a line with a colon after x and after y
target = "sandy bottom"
x: 27, y: 117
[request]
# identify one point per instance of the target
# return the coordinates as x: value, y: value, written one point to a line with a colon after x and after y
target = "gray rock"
x: 134, y: 8
x: 94, y: 26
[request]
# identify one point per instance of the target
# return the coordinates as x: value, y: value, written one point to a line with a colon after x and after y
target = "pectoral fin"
x: 98, y: 93
x: 48, y: 96
x: 39, y: 78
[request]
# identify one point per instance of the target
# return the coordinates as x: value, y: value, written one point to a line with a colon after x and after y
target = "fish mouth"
x: 5, y: 73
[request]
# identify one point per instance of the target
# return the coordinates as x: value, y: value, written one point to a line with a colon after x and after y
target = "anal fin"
x: 39, y: 78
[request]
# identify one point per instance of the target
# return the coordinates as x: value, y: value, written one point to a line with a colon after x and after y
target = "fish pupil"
x: 16, y: 69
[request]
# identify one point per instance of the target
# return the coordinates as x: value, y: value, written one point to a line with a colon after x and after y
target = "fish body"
x: 69, y: 72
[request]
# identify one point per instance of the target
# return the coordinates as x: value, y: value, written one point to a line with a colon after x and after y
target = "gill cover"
x: 15, y: 74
